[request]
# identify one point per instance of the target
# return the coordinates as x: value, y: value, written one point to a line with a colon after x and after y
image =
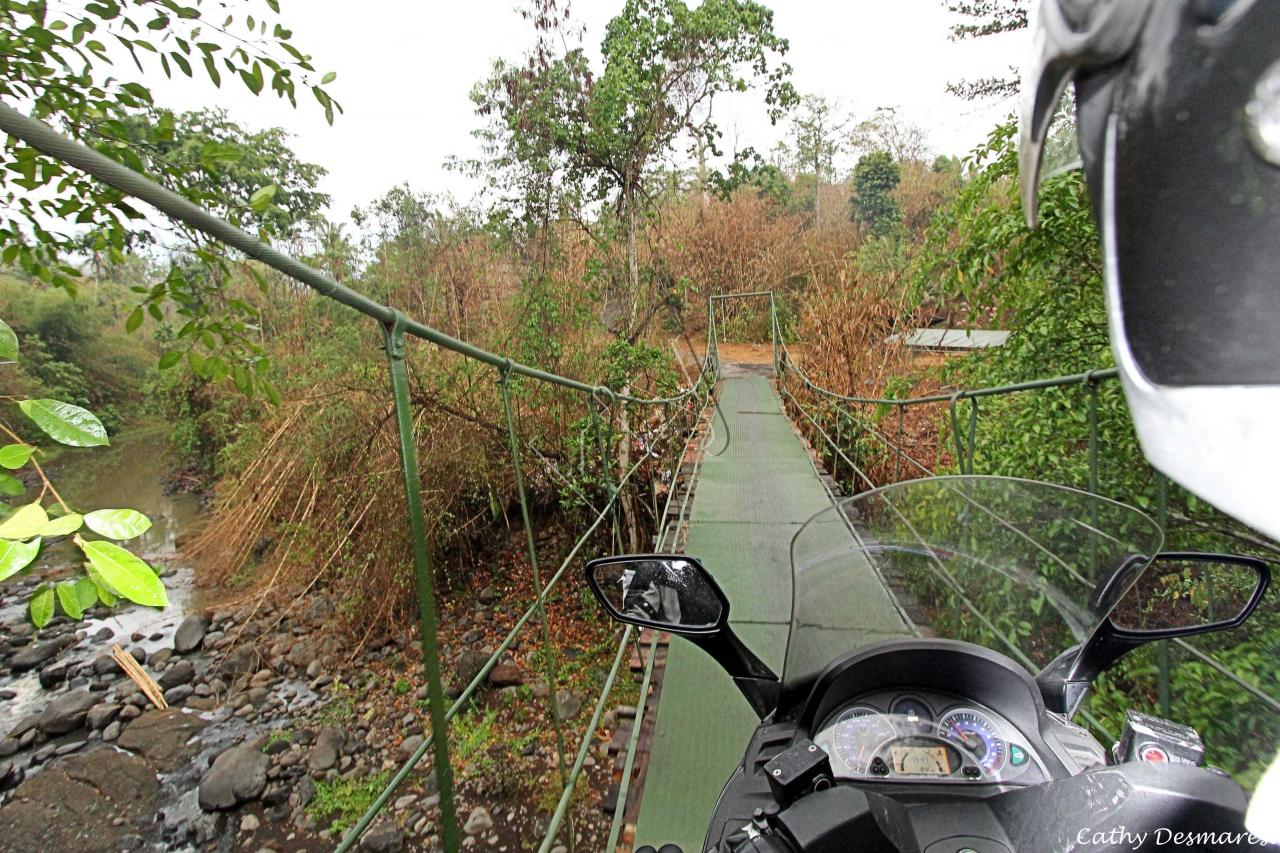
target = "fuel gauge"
x: 912, y: 715
x: 910, y: 706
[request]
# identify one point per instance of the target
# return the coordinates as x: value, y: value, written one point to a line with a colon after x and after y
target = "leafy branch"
x: 112, y: 572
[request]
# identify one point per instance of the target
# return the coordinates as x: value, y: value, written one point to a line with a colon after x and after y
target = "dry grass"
x: 317, y: 499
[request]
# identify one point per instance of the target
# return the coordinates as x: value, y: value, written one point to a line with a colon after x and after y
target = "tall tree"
x: 59, y: 63
x: 873, y: 205
x: 607, y: 133
x: 817, y: 133
x: 218, y: 163
x: 887, y: 130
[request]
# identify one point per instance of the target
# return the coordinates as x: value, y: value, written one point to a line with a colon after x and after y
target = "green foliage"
x: 872, y: 204
x: 1045, y: 286
x: 1044, y: 283
x: 625, y: 363
x: 16, y: 556
x: 123, y: 573
x: 341, y: 707
x: 118, y: 524
x: 561, y: 135
x: 74, y: 349
x: 40, y: 606
x: 472, y: 735
x: 58, y: 63
x: 8, y: 342
x: 65, y: 423
x: 340, y: 802
x: 284, y: 736
x: 749, y: 170
x: 113, y: 571
x: 252, y: 178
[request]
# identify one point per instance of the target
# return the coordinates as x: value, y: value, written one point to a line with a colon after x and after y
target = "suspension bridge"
x: 743, y: 480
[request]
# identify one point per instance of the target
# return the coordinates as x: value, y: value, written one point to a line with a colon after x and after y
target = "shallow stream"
x: 131, y: 473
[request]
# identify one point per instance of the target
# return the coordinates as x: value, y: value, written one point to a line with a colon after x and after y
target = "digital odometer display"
x: 921, y: 760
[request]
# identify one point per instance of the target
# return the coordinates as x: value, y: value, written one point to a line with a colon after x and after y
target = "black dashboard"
x: 937, y: 746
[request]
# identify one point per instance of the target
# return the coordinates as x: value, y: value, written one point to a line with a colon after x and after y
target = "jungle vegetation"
x: 603, y: 229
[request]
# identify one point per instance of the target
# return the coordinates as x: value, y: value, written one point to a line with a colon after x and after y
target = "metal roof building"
x: 954, y: 339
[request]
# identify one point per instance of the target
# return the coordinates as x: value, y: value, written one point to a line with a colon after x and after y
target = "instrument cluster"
x: 926, y: 737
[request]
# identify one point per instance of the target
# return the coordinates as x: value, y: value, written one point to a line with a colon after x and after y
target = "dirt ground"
x: 729, y: 353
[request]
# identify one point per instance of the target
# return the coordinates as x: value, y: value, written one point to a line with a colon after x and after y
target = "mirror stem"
x: 753, y: 678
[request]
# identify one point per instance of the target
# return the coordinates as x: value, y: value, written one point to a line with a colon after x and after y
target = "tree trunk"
x: 630, y: 518
x: 817, y: 192
x: 633, y: 262
x: 702, y: 173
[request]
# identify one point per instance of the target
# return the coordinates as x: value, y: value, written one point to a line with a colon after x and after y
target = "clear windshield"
x: 1025, y: 568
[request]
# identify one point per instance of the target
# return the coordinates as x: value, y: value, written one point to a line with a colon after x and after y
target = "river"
x: 131, y: 473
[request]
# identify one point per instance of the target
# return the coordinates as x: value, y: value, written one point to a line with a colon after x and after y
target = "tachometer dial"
x: 859, y: 732
x: 975, y: 734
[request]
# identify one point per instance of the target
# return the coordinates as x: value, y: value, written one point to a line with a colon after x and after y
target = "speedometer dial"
x: 859, y: 732
x: 974, y: 733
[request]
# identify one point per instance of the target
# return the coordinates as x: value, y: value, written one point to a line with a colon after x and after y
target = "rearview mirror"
x: 670, y: 592
x: 1189, y: 593
x: 1179, y: 594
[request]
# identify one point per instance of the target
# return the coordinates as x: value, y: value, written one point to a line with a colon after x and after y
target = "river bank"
x: 278, y: 733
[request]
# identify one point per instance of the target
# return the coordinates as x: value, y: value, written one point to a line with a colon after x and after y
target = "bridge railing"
x: 680, y: 414
x: 840, y: 420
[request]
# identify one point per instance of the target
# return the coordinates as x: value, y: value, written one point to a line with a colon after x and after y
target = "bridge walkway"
x: 756, y: 487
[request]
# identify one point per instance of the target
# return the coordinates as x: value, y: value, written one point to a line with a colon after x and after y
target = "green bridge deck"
x: 756, y: 487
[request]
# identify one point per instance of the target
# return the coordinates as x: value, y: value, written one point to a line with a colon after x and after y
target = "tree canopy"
x: 603, y: 135
x: 82, y: 69
x: 873, y: 205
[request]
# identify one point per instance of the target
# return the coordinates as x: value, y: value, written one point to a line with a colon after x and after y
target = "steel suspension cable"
x: 43, y: 137
x: 549, y: 662
x: 465, y: 696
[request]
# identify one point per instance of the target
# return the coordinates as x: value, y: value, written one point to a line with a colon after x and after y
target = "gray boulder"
x: 410, y: 745
x: 67, y: 713
x: 242, y: 660
x: 33, y: 656
x: 190, y: 633
x: 383, y: 837
x: 101, y: 716
x: 237, y: 776
x: 568, y: 705
x: 165, y: 738
x: 180, y: 673
x: 479, y: 821
x: 327, y: 750
x: 470, y: 662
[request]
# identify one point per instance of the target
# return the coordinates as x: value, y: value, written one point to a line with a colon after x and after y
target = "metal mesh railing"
x: 829, y: 412
x: 839, y: 420
x: 680, y: 414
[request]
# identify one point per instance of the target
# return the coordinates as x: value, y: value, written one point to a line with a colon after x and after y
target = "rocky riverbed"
x: 89, y: 763
x: 280, y: 729
x: 271, y: 735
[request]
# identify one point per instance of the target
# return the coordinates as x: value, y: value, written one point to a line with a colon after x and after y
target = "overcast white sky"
x: 405, y: 68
